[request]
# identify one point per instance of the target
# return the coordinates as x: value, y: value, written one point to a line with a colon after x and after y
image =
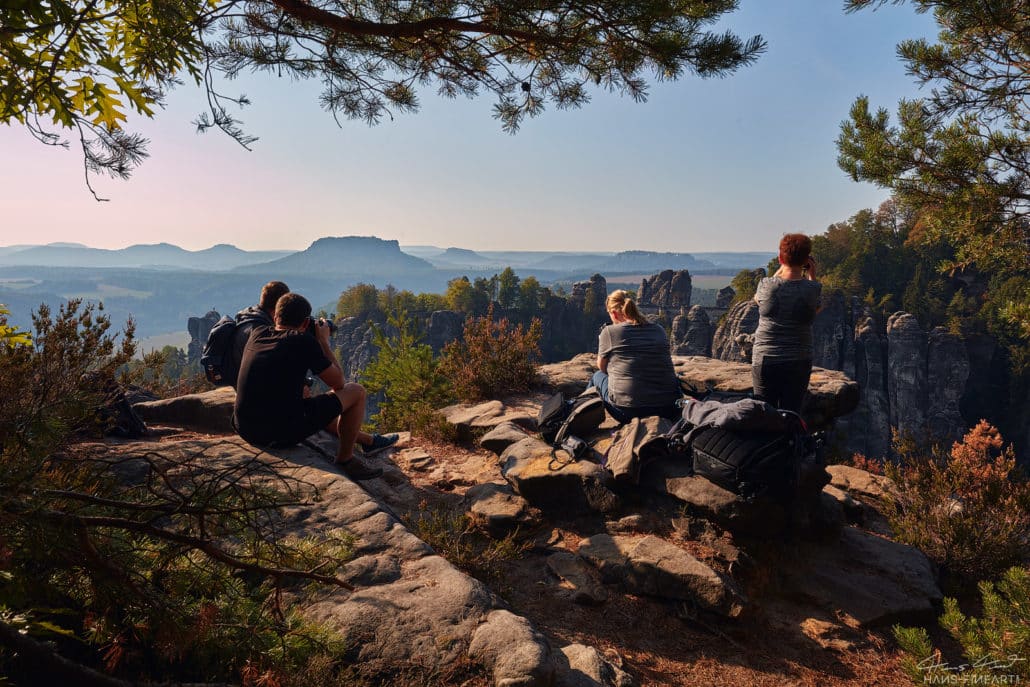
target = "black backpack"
x: 562, y: 421
x: 751, y: 464
x: 747, y: 447
x: 223, y: 350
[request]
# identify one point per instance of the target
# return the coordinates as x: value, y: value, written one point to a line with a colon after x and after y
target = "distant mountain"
x: 159, y: 255
x: 626, y: 261
x: 351, y: 256
x: 737, y: 261
x: 570, y: 262
x: 649, y: 261
x: 463, y: 258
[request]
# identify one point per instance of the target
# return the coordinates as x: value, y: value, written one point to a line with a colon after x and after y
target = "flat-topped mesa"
x: 831, y: 394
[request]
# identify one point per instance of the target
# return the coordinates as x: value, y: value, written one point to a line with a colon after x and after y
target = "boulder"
x: 499, y: 510
x: 831, y: 394
x: 472, y: 418
x: 759, y: 518
x: 655, y: 567
x: 860, y: 483
x: 519, y: 655
x: 852, y: 509
x: 584, y: 666
x: 580, y: 576
x: 539, y: 474
x: 872, y: 579
x: 502, y: 436
x: 570, y: 376
x: 209, y: 411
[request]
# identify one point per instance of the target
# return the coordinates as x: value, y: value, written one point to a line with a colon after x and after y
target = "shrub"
x: 454, y: 536
x: 996, y: 647
x: 493, y: 359
x: 969, y: 511
x: 872, y: 465
x: 408, y: 375
x: 175, y: 575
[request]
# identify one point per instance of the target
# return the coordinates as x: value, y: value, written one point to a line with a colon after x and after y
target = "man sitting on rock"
x: 273, y: 408
x: 262, y: 314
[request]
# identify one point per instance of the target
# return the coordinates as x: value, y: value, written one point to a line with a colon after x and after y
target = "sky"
x: 704, y: 165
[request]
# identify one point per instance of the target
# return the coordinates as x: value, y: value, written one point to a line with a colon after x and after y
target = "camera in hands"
x: 313, y: 323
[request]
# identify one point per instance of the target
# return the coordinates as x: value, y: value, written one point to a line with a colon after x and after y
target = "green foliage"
x: 129, y: 561
x: 507, y: 288
x: 493, y: 359
x: 84, y: 63
x: 407, y: 374
x: 455, y: 537
x: 357, y: 301
x: 961, y: 155
x: 745, y: 284
x: 10, y: 336
x: 166, y: 373
x: 969, y: 511
x: 995, y: 646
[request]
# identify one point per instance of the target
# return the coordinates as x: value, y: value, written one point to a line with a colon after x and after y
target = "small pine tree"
x: 407, y: 374
x: 996, y: 647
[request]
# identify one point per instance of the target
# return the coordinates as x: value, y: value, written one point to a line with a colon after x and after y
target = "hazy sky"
x: 703, y: 165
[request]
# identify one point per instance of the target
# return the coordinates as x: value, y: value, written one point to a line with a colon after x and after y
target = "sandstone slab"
x: 584, y: 666
x: 655, y: 567
x: 520, y: 655
x: 409, y: 606
x: 860, y: 483
x: 210, y: 411
x: 502, y: 436
x: 581, y: 576
x: 729, y: 510
x: 471, y: 419
x: 542, y: 476
x: 499, y: 510
x: 872, y: 579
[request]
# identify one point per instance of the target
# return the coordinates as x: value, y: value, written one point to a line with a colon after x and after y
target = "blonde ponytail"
x: 619, y: 301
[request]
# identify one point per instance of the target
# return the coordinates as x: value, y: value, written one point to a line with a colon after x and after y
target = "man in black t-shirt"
x: 262, y: 314
x: 272, y: 409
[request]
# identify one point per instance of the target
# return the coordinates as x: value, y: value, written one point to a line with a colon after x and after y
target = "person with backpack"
x: 223, y: 350
x: 781, y: 359
x: 635, y: 376
x: 273, y: 408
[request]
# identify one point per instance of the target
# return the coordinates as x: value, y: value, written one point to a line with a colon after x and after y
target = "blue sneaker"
x: 380, y: 442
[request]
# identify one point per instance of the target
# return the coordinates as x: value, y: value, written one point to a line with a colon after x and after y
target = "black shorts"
x: 318, y: 412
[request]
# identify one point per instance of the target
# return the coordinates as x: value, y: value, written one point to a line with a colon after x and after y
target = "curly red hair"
x: 795, y: 249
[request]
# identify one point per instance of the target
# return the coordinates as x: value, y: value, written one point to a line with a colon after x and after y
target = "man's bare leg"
x: 352, y: 402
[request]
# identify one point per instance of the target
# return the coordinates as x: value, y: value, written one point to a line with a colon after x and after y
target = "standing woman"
x: 636, y: 377
x: 787, y: 304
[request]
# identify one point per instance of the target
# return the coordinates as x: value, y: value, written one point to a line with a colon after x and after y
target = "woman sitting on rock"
x: 636, y: 377
x: 781, y: 360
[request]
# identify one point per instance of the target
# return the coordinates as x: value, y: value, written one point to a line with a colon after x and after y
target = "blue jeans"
x: 623, y: 414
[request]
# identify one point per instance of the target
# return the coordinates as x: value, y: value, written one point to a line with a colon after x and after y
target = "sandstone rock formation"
x: 668, y: 290
x: 692, y: 333
x: 946, y: 375
x: 741, y: 320
x: 590, y: 296
x: 725, y: 297
x: 199, y: 328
